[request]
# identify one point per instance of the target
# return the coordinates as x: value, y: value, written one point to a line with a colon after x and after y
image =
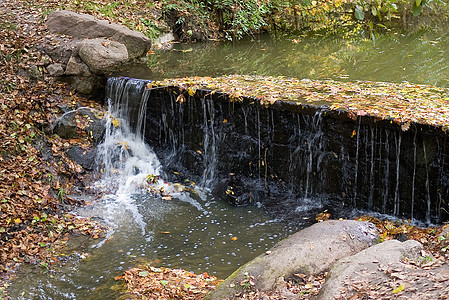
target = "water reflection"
x: 418, y: 58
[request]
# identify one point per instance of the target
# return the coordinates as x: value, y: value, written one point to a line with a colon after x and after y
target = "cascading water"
x: 125, y: 160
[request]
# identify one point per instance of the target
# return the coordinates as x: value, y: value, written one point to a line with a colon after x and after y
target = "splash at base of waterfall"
x: 130, y: 170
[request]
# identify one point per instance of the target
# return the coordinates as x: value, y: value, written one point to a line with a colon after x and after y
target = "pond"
x: 197, y: 232
x: 418, y: 58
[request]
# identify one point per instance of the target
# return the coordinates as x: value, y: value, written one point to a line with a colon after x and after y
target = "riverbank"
x: 37, y: 177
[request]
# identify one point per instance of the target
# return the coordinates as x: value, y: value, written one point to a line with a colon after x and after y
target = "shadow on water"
x: 418, y: 58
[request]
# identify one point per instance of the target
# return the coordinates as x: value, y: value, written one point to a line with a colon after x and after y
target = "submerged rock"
x: 309, y: 251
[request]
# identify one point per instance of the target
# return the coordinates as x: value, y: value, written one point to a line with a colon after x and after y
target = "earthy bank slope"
x: 35, y: 174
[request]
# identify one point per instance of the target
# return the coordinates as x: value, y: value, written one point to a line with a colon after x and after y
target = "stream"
x: 192, y: 230
x: 188, y: 230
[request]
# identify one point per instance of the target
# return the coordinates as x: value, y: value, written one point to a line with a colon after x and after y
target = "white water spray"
x: 128, y: 165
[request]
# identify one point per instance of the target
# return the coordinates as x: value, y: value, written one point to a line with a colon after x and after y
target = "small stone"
x: 55, y: 70
x: 76, y: 67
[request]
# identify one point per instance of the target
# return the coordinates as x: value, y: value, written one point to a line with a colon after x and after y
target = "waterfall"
x: 356, y: 169
x: 128, y: 166
x: 387, y: 172
x: 281, y: 155
x: 124, y: 158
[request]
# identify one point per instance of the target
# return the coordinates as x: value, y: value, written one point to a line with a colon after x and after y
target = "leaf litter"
x: 37, y: 177
x: 401, y: 103
x: 164, y: 283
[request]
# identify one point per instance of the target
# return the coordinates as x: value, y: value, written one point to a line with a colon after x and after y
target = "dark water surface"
x: 418, y: 58
x: 193, y: 235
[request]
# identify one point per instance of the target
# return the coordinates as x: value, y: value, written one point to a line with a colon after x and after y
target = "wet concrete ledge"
x: 294, y: 157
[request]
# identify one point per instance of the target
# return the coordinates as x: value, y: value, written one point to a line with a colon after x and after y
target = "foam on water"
x: 125, y: 161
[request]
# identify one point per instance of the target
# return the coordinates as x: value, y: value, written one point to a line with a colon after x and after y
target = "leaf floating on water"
x: 191, y: 91
x: 401, y: 103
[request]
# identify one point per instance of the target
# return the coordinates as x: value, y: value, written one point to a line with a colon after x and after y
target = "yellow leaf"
x: 234, y: 238
x: 191, y: 91
x: 17, y: 221
x: 399, y: 289
x: 115, y: 122
x: 123, y: 144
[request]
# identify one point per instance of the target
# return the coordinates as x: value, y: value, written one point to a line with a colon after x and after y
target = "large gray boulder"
x: 82, y: 26
x: 102, y: 55
x: 309, y: 251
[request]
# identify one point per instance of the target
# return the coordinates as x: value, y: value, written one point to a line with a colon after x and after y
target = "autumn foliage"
x: 403, y: 103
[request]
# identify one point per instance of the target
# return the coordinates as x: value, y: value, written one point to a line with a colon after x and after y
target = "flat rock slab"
x: 82, y: 26
x: 389, y: 270
x: 309, y: 251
